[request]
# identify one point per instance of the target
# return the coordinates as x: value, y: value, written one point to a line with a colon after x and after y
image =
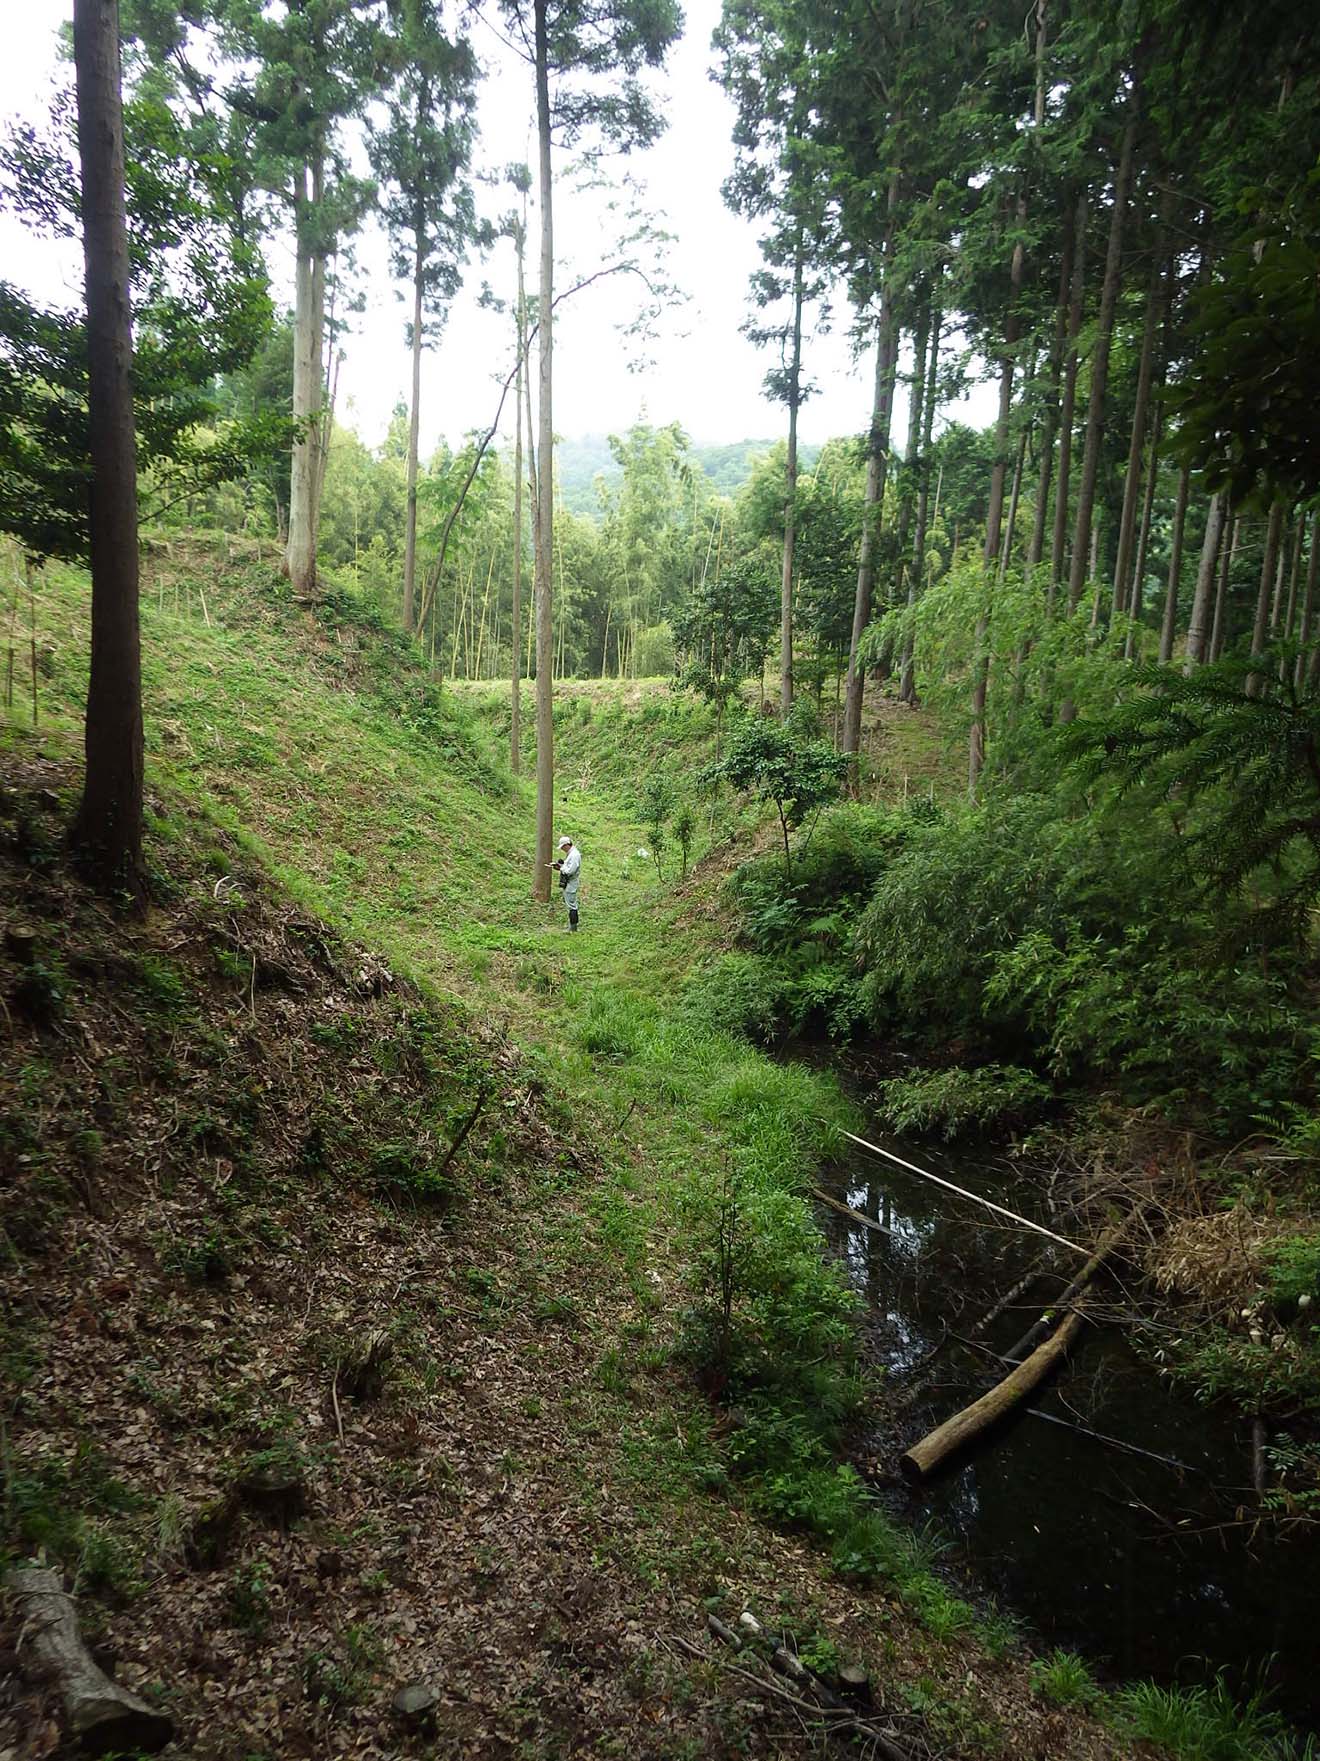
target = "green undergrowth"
x: 1203, y: 1723
x: 769, y: 1328
x: 311, y: 738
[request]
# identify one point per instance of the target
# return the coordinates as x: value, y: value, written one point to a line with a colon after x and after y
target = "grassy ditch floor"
x: 610, y: 1373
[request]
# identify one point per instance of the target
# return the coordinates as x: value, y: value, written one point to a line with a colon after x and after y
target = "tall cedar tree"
x: 108, y: 829
x: 420, y: 156
x: 293, y: 74
x: 566, y: 41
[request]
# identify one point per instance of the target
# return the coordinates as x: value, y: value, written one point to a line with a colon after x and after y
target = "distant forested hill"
x: 727, y: 467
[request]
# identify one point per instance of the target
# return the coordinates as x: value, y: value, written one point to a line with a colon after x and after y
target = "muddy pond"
x: 1146, y: 1569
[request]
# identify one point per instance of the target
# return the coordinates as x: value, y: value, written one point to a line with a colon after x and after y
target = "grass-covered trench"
x: 666, y: 1359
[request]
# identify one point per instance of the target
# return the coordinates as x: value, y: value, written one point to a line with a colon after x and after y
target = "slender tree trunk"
x: 1169, y: 628
x: 790, y: 494
x: 916, y: 401
x: 1127, y: 522
x: 1294, y: 576
x: 515, y: 647
x: 1137, y: 597
x: 994, y: 517
x: 308, y: 386
x: 1219, y: 631
x: 414, y: 425
x: 1015, y: 495
x: 1036, y: 545
x: 1100, y: 368
x: 1268, y: 565
x: 1308, y: 604
x: 107, y: 831
x: 877, y: 462
x: 907, y: 689
x: 545, y: 529
x: 1198, y: 625
x: 1068, y: 411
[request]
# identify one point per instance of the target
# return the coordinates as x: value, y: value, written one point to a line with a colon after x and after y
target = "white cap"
x: 564, y: 843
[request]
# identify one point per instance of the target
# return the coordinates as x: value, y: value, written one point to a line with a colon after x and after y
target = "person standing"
x: 570, y: 874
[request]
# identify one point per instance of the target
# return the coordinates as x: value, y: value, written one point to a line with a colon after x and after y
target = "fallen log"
x: 104, y: 1717
x: 973, y: 1421
x: 921, y: 1381
x: 1036, y: 1332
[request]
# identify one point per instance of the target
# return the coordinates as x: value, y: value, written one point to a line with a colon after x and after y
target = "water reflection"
x: 1142, y: 1567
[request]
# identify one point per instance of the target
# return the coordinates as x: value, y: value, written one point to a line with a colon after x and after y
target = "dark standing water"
x: 1143, y: 1569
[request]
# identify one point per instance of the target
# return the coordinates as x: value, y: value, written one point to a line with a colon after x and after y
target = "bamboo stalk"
x: 948, y: 1185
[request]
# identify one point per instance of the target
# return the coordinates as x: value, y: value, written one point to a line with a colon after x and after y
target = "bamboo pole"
x: 988, y: 1204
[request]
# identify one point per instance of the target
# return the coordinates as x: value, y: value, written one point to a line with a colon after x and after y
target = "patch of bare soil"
x: 306, y: 1409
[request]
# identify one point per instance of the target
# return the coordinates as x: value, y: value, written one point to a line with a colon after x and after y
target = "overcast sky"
x: 701, y: 371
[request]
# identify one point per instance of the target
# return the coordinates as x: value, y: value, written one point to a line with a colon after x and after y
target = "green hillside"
x: 726, y: 466
x: 494, y: 1147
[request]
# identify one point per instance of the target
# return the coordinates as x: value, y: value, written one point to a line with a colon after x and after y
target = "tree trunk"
x: 1308, y: 605
x: 790, y: 494
x: 414, y: 421
x: 515, y: 647
x: 1219, y: 632
x: 1294, y: 582
x: 994, y: 517
x: 907, y: 689
x: 1260, y: 629
x: 308, y: 389
x: 1198, y: 625
x: 1036, y: 545
x: 107, y: 831
x: 545, y: 529
x: 1127, y: 523
x: 1170, y: 625
x: 1068, y: 411
x: 877, y: 462
x: 1100, y: 367
x: 1137, y: 597
x: 908, y: 481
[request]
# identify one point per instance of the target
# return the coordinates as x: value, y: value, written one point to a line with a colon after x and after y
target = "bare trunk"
x: 515, y: 646
x: 886, y: 360
x: 916, y: 402
x: 308, y: 387
x: 414, y: 420
x: 1136, y: 445
x: 545, y: 529
x: 1170, y: 625
x: 1137, y: 598
x: 108, y: 829
x: 994, y: 518
x: 1260, y: 629
x: 1308, y: 604
x: 1067, y: 414
x: 1100, y: 370
x: 907, y: 690
x: 790, y: 495
x: 1198, y: 623
x: 1228, y: 553
x: 1036, y: 546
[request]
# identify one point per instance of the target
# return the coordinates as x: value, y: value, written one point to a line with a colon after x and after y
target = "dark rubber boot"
x: 572, y: 920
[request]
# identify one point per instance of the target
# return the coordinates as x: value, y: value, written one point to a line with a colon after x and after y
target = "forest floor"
x: 226, y: 1127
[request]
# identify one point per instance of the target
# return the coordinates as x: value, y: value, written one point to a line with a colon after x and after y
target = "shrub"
x: 1064, y: 1679
x: 957, y: 1100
